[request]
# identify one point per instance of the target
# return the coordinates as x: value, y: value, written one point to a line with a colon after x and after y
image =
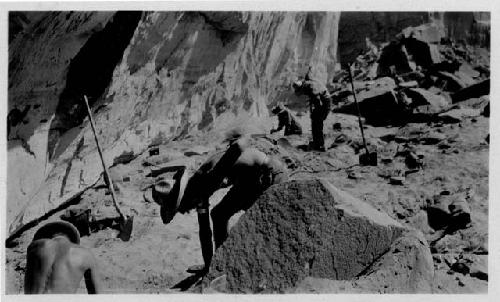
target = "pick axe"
x: 126, y: 222
x: 369, y: 158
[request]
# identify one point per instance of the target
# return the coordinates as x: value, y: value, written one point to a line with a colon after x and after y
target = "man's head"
x: 57, y: 228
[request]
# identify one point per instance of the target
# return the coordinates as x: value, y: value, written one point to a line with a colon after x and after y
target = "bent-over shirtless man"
x: 56, y: 263
x: 286, y: 120
x: 249, y: 170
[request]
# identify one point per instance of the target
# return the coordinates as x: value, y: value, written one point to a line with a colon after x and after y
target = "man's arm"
x: 91, y: 275
x: 38, y: 265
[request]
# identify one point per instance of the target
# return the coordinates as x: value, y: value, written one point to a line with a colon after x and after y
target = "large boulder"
x: 303, y: 229
x: 393, y: 58
x: 380, y: 109
x: 425, y: 101
x: 449, y: 81
x: 423, y: 53
x: 473, y: 91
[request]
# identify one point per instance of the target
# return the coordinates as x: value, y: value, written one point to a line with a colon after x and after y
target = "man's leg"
x: 317, y: 132
x: 224, y: 210
x: 205, y: 234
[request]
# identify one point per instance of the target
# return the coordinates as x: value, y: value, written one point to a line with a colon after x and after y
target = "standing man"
x: 319, y: 104
x: 286, y: 120
x: 247, y: 169
x: 56, y: 263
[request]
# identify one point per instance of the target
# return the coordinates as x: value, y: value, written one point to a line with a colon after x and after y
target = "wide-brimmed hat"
x: 169, y: 201
x: 58, y: 227
x: 161, y: 190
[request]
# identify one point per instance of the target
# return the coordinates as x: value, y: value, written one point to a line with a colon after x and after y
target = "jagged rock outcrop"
x: 166, y: 75
x: 309, y: 228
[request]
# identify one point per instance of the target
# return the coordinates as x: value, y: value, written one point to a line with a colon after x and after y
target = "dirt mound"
x: 301, y: 229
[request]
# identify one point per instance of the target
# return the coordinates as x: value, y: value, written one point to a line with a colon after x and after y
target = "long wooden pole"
x: 357, y: 108
x: 106, y: 173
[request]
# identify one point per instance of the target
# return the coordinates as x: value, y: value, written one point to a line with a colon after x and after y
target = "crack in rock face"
x: 302, y: 229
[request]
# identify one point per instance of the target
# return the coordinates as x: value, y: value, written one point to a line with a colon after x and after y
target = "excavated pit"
x: 90, y: 73
x: 302, y: 229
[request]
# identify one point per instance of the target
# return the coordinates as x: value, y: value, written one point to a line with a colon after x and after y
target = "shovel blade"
x: 126, y: 227
x: 368, y: 159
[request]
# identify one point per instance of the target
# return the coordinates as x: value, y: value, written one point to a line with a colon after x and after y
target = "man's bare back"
x: 56, y: 266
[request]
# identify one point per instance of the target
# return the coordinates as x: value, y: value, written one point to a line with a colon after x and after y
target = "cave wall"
x: 39, y: 57
x: 181, y: 72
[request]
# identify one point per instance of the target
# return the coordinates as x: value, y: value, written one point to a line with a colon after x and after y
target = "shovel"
x: 126, y: 222
x: 368, y: 158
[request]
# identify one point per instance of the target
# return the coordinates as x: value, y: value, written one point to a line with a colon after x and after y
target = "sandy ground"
x: 156, y: 258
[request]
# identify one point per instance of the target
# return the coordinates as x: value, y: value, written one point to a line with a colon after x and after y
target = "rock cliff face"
x: 156, y: 76
x: 39, y: 59
x: 379, y: 27
x: 148, y: 76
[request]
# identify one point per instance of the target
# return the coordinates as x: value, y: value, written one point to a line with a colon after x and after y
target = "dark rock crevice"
x: 90, y: 73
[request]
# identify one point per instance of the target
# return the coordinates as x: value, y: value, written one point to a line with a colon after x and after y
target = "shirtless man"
x: 286, y: 120
x: 56, y: 263
x: 249, y: 170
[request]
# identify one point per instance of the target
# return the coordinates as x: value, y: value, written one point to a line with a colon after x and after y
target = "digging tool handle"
x: 106, y: 173
x: 357, y: 108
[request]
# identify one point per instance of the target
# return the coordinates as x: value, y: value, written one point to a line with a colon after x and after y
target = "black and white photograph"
x: 246, y: 151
